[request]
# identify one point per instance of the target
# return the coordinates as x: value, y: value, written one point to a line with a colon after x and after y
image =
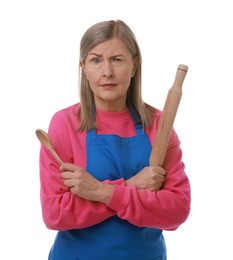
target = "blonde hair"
x: 95, y: 35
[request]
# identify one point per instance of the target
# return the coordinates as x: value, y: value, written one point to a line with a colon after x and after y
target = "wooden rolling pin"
x: 167, y: 119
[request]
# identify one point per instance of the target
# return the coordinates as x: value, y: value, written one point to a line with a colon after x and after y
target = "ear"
x: 82, y: 67
x: 135, y: 66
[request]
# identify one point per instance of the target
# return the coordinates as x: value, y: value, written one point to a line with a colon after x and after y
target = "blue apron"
x: 113, y: 157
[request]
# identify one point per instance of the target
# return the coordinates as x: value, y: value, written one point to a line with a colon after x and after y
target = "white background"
x: 39, y: 45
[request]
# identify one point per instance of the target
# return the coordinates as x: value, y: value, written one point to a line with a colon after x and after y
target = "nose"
x: 107, y: 70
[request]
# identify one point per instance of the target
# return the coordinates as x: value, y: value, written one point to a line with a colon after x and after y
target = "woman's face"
x: 109, y: 68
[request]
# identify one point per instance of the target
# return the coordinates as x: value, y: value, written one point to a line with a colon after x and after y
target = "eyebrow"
x: 99, y: 55
x: 92, y: 53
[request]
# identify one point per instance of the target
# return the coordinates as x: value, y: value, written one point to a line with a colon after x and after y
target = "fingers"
x: 69, y: 183
x: 68, y: 175
x: 157, y: 178
x: 157, y: 182
x: 69, y: 171
x: 158, y: 170
x: 68, y: 167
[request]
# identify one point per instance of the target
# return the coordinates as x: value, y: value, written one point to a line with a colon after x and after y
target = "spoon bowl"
x: 45, y: 140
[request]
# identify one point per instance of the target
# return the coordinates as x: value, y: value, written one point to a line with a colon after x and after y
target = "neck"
x: 111, y: 107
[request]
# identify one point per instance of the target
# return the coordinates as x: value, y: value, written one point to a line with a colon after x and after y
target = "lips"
x: 108, y: 85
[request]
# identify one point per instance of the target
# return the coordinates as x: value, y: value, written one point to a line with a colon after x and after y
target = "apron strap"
x: 137, y: 120
x: 135, y: 116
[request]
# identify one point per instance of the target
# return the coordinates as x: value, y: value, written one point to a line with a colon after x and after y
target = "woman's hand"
x: 149, y: 178
x: 84, y: 185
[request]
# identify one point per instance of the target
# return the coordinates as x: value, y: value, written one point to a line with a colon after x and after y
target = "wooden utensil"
x: 168, y: 117
x: 45, y: 140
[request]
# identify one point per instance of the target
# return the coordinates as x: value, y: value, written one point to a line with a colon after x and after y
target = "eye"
x: 96, y: 60
x: 117, y: 59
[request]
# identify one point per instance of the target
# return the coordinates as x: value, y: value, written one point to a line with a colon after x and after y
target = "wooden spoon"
x: 45, y: 140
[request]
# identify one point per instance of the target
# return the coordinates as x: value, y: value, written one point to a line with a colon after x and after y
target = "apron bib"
x: 113, y: 157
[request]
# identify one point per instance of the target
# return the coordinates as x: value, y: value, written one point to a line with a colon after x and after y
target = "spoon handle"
x: 55, y: 155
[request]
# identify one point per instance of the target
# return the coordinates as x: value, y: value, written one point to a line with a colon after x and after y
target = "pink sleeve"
x: 61, y: 209
x: 165, y: 209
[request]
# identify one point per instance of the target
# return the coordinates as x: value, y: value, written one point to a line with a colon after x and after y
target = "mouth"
x: 108, y: 85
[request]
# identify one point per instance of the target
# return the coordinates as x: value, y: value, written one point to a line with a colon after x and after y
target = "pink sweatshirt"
x: 166, y: 209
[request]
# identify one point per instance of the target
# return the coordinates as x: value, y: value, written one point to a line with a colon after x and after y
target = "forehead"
x: 111, y: 47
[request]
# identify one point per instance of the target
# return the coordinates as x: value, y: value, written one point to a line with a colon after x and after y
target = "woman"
x: 105, y: 200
